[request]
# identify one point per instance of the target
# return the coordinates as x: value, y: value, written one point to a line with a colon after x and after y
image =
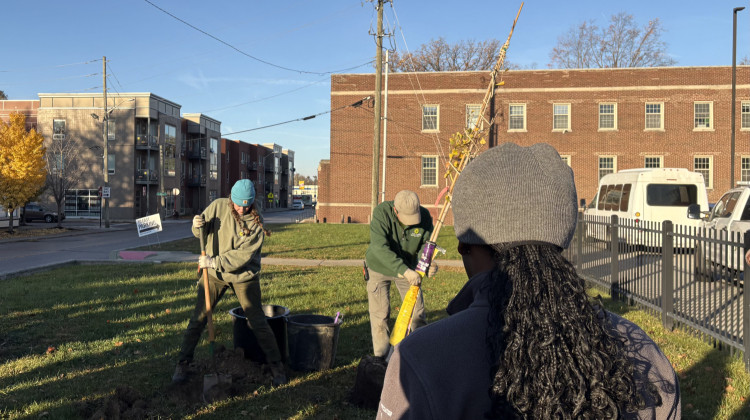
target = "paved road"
x: 87, y: 243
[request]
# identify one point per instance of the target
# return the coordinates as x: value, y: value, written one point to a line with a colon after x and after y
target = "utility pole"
x: 376, y: 134
x: 385, y: 127
x: 105, y: 130
x: 734, y: 86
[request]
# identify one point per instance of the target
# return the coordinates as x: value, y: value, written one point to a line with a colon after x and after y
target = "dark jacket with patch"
x: 393, y: 248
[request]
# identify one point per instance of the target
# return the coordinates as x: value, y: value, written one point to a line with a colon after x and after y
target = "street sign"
x: 105, y: 192
x: 270, y: 195
x: 161, y: 194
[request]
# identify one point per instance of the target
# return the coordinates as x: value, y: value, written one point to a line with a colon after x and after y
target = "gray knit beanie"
x: 511, y: 193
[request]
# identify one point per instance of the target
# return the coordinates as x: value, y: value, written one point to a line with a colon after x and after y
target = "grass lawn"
x: 70, y: 337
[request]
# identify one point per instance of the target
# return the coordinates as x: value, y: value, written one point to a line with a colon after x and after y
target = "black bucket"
x: 312, y: 342
x: 244, y: 338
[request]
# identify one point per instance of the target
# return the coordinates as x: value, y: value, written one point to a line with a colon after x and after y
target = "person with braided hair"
x: 523, y: 339
x: 234, y: 233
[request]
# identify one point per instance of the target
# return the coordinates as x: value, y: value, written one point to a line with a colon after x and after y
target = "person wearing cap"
x: 398, y: 231
x: 523, y: 340
x: 234, y: 233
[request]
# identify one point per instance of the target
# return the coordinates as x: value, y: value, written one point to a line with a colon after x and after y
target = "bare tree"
x: 3, y: 96
x: 621, y: 44
x: 438, y: 55
x: 64, y: 171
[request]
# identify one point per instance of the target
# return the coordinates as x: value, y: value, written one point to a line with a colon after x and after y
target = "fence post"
x: 746, y: 307
x: 579, y: 242
x: 614, y: 247
x: 667, y: 275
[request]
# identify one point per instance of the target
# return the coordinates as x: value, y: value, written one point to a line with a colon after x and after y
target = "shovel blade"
x: 215, y: 386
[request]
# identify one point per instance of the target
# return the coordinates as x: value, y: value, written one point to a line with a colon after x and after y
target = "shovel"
x: 210, y: 380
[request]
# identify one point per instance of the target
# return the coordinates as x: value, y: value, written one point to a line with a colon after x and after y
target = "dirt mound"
x: 128, y: 403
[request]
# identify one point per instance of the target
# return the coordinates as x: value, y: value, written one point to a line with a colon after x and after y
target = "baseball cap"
x: 406, y: 204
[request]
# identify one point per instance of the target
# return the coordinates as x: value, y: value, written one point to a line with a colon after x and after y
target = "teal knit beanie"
x: 243, y: 193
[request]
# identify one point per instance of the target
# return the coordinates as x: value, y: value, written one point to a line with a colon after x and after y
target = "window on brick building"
x: 472, y: 116
x: 745, y: 168
x: 654, y: 116
x: 704, y: 165
x: 745, y: 116
x: 703, y: 115
x: 429, y: 170
x: 566, y: 159
x: 430, y: 117
x: 607, y: 165
x: 607, y: 116
x: 517, y: 121
x: 653, y: 162
x: 561, y: 117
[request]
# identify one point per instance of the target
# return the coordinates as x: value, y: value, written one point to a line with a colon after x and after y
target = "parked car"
x: 35, y: 211
x: 727, y: 221
x: 298, y: 205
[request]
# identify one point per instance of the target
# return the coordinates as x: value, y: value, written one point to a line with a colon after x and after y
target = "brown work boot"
x: 278, y: 373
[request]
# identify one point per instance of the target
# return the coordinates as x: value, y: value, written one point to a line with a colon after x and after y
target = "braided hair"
x: 554, y: 352
x: 253, y: 212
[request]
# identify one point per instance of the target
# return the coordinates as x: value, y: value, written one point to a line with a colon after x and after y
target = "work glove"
x: 412, y: 277
x: 432, y: 270
x: 204, y: 261
x: 198, y: 221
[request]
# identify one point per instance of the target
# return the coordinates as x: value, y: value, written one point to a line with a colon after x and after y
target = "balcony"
x: 145, y: 176
x: 252, y: 166
x: 196, y: 153
x: 196, y: 181
x: 145, y: 142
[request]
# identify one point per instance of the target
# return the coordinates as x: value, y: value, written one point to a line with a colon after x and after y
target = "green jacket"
x: 394, y: 249
x: 238, y: 255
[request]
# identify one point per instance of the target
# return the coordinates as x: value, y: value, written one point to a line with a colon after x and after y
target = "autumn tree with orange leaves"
x: 22, y: 164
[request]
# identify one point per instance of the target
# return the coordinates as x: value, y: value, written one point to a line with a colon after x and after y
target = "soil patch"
x: 173, y: 399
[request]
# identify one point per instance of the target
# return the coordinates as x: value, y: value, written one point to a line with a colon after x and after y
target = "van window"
x: 671, y: 195
x: 625, y: 197
x: 602, y: 196
x: 613, y: 198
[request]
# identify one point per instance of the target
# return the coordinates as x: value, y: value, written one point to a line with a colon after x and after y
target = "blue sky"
x: 55, y: 46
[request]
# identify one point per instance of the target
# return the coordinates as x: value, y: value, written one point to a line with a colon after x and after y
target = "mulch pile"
x: 129, y: 403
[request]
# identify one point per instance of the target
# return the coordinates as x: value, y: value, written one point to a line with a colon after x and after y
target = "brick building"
x: 599, y: 120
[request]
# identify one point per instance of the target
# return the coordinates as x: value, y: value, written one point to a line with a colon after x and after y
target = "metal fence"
x: 691, y: 277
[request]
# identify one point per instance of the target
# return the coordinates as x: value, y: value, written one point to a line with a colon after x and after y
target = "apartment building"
x: 255, y: 162
x: 600, y: 121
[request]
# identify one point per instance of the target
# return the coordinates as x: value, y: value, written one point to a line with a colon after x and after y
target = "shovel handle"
x: 209, y: 317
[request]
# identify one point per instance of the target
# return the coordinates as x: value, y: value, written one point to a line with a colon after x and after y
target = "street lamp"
x: 734, y: 83
x: 105, y: 157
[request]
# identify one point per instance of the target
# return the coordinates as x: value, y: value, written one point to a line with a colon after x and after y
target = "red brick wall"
x: 348, y: 188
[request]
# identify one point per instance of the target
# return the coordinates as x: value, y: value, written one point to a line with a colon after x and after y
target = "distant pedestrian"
x: 234, y: 235
x: 398, y: 231
x: 523, y: 340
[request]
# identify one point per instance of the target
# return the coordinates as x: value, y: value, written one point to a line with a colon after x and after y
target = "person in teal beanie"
x: 234, y: 235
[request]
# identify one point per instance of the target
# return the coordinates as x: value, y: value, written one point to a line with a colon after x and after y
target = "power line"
x: 253, y: 57
x: 309, y: 117
x: 264, y: 98
x: 48, y: 67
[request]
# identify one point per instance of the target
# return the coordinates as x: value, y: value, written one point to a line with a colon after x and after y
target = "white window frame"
x: 613, y: 114
x: 710, y: 116
x: 745, y: 168
x: 434, y: 169
x: 601, y: 171
x: 555, y: 127
x: 436, y: 116
x: 745, y: 116
x: 646, y: 114
x: 566, y: 159
x: 472, y: 115
x: 710, y: 181
x: 510, y: 118
x: 659, y: 158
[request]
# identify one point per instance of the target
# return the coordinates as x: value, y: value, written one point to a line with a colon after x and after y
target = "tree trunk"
x: 10, y: 222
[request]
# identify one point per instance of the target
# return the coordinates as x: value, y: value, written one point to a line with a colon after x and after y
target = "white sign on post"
x: 105, y: 192
x: 148, y: 225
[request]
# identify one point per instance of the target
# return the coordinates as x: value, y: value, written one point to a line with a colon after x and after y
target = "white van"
x: 647, y: 195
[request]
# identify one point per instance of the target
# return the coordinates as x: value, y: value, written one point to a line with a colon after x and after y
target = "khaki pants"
x: 378, y: 297
x: 248, y: 293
